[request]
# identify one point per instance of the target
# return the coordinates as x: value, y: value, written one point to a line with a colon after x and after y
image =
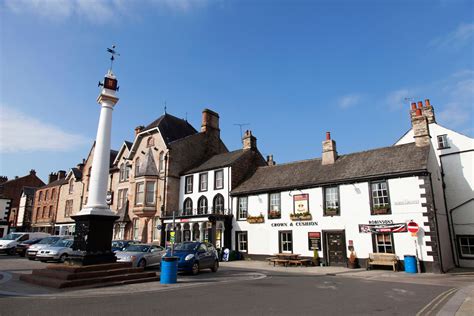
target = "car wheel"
x: 62, y: 258
x: 31, y: 258
x: 195, y: 268
x: 11, y: 251
x: 215, y: 267
x: 142, y: 264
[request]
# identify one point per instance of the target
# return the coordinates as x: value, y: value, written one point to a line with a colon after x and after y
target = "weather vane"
x: 113, y: 53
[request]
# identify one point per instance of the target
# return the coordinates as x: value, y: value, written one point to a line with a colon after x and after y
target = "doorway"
x: 335, y: 252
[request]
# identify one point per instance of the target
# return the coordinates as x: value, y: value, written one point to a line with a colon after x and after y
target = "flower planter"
x: 306, y: 217
x: 379, y: 211
x: 331, y: 212
x: 255, y: 220
x: 274, y: 214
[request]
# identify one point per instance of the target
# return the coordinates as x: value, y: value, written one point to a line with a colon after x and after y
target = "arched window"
x: 188, y: 207
x: 202, y: 205
x: 122, y: 172
x: 71, y: 186
x: 161, y: 165
x: 137, y: 167
x: 218, y: 204
x: 150, y: 142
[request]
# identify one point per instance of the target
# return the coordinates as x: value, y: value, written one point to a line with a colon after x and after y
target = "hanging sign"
x: 383, y: 228
x: 314, y: 240
x: 109, y: 197
x: 301, y: 203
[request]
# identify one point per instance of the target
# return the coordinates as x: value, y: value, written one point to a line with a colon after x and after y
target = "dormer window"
x: 137, y: 167
x: 71, y: 186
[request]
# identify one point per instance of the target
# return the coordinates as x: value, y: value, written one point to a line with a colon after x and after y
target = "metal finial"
x: 240, y: 125
x: 165, y: 107
x: 113, y: 53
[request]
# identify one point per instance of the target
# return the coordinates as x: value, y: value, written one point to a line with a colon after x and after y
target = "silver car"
x: 44, y: 243
x: 58, y: 251
x: 141, y: 255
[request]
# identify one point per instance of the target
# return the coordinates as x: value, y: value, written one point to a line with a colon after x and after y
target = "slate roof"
x: 128, y: 144
x: 77, y: 173
x: 113, y: 155
x: 172, y: 128
x: 148, y: 165
x: 381, y: 162
x: 55, y: 183
x: 218, y: 161
x: 122, y: 213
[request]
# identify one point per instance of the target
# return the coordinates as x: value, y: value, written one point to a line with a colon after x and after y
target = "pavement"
x: 458, y: 301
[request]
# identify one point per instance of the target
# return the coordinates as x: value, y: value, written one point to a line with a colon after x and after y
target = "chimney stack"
x: 421, y: 130
x: 270, y: 161
x: 210, y: 121
x: 32, y: 172
x: 428, y: 112
x: 61, y: 174
x: 52, y: 177
x: 249, y: 141
x: 329, y: 150
x: 3, y: 179
x: 139, y: 129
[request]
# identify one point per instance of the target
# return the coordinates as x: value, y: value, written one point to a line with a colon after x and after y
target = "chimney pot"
x: 139, y: 129
x: 418, y: 112
x: 328, y: 135
x: 413, y: 105
x: 270, y: 161
x: 427, y: 103
x: 249, y: 141
x: 420, y: 104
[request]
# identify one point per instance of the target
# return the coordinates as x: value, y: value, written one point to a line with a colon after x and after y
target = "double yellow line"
x: 431, y: 306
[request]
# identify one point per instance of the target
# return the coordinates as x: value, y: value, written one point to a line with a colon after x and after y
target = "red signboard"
x: 413, y: 227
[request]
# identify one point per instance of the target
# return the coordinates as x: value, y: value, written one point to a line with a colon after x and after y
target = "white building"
x: 359, y: 202
x: 455, y: 156
x: 205, y: 212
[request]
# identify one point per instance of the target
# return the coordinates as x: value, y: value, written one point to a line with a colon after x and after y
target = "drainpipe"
x: 437, y: 227
x: 163, y: 208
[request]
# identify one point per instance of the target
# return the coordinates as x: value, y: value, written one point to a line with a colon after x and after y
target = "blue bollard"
x: 410, y: 264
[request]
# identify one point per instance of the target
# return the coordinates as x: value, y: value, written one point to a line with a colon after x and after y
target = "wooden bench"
x: 382, y: 259
x: 280, y: 261
x: 270, y: 259
x: 300, y: 262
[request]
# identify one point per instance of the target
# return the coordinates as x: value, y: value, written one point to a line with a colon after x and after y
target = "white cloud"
x: 97, y: 11
x: 400, y: 99
x: 22, y: 133
x: 463, y: 35
x: 349, y: 100
x: 458, y: 110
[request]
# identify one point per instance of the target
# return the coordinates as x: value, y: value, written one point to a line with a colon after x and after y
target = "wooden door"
x: 336, y: 248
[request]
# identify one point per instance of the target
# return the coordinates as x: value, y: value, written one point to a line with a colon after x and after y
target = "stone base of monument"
x: 67, y: 276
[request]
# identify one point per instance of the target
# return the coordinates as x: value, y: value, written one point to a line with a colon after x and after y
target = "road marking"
x: 5, y: 277
x: 435, y: 302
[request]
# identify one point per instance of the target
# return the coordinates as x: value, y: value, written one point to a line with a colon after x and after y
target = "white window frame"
x: 380, y: 194
x: 219, y: 180
x: 386, y: 243
x: 203, y: 182
x: 188, y: 184
x: 203, y: 207
x: 467, y: 244
x: 442, y: 141
x: 136, y: 224
x: 242, y: 243
x: 242, y: 207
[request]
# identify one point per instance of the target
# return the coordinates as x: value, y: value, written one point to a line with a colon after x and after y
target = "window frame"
x: 138, y: 194
x: 201, y: 176
x: 68, y: 208
x: 185, y: 209
x: 239, y: 210
x: 375, y: 245
x: 136, y: 226
x: 187, y: 183
x: 148, y: 193
x: 216, y: 187
x: 71, y: 186
x: 238, y: 241
x: 270, y: 210
x: 371, y: 195
x: 459, y: 245
x: 214, y: 200
x: 161, y: 162
x: 206, y: 210
x: 325, y: 200
x: 443, y: 144
x: 137, y: 166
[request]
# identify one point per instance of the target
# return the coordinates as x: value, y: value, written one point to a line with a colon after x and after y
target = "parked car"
x: 46, y: 242
x: 195, y: 256
x: 9, y: 242
x: 119, y: 245
x: 22, y: 247
x: 141, y: 255
x: 58, y: 251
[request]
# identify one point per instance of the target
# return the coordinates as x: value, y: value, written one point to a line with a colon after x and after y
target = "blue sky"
x: 291, y: 69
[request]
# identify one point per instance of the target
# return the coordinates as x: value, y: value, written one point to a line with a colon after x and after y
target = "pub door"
x: 335, y: 243
x: 286, y: 241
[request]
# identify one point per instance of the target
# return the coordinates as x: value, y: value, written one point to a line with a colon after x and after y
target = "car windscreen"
x: 12, y: 236
x: 32, y: 241
x: 186, y: 246
x: 49, y: 240
x: 63, y: 243
x: 137, y: 248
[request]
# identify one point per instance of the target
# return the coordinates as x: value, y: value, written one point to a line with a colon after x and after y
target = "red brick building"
x: 13, y: 188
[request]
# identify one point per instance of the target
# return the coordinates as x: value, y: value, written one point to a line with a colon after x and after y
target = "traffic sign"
x: 413, y: 227
x: 172, y: 237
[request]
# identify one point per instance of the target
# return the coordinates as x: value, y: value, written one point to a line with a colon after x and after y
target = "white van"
x: 9, y: 242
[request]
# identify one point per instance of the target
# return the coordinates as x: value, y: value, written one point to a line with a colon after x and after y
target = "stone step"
x: 60, y: 283
x: 66, y: 275
x: 95, y: 267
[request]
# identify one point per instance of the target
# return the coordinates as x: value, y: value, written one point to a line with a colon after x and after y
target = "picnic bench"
x: 287, y: 259
x: 382, y: 259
